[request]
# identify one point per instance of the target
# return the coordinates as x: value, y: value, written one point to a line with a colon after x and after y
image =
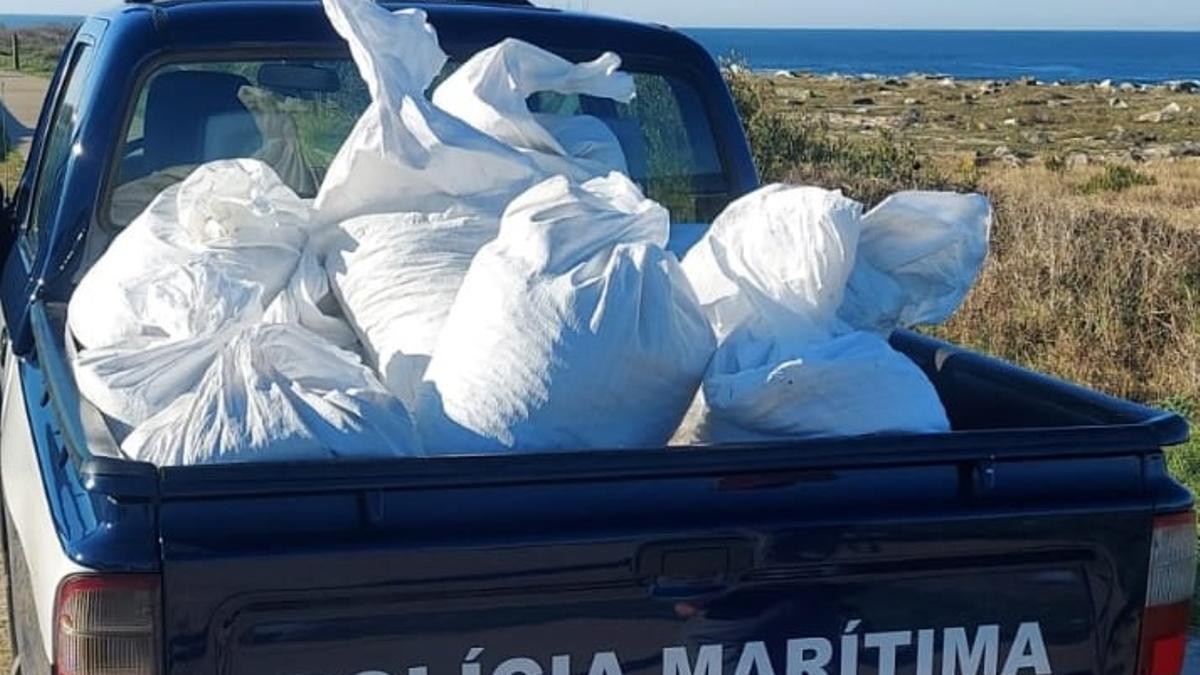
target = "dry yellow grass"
x: 1102, y: 289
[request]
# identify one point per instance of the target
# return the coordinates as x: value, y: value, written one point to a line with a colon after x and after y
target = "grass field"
x: 40, y: 47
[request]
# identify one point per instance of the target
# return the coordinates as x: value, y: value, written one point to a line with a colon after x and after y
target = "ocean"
x: 1045, y: 55
x: 30, y: 20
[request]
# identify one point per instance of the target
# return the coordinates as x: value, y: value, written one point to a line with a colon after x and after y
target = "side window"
x: 63, y: 125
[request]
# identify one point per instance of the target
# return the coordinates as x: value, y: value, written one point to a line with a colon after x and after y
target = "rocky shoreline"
x: 1012, y: 121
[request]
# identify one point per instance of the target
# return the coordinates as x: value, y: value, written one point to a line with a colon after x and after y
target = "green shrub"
x: 1055, y: 162
x: 800, y: 150
x: 1115, y: 178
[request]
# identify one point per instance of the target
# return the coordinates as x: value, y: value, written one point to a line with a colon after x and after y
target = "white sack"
x: 590, y: 146
x: 281, y: 145
x: 779, y: 256
x: 276, y: 392
x: 235, y: 216
x: 397, y: 276
x: 404, y: 153
x: 919, y: 255
x: 760, y: 387
x: 490, y: 92
x: 573, y: 330
x: 135, y: 378
x: 771, y: 273
x: 309, y: 301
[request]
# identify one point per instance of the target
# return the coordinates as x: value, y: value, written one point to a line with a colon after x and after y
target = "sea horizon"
x: 1069, y: 55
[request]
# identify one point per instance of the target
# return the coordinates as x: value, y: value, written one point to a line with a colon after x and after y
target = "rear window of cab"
x: 294, y: 114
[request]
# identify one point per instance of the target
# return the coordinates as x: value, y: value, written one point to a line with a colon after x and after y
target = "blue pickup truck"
x: 1043, y: 536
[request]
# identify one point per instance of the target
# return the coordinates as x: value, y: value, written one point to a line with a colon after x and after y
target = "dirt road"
x: 20, y: 101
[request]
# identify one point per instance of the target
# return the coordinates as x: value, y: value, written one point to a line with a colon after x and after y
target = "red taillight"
x: 1169, y: 589
x: 107, y: 624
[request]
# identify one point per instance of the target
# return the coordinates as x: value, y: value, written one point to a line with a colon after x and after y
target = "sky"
x: 1119, y: 14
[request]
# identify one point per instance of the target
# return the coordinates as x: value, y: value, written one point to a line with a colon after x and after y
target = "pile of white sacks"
x: 473, y: 278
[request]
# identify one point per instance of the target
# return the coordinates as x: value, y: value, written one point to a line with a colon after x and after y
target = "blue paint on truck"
x: 1022, y: 543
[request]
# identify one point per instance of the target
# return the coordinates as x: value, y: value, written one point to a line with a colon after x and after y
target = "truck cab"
x: 1042, y: 536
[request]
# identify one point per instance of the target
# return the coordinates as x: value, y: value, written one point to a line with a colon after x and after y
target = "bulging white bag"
x: 771, y: 274
x: 919, y: 255
x: 778, y: 257
x: 404, y: 153
x: 760, y: 387
x: 198, y: 308
x: 309, y: 301
x: 276, y: 392
x: 234, y: 216
x: 573, y: 330
x: 491, y: 92
x: 397, y: 276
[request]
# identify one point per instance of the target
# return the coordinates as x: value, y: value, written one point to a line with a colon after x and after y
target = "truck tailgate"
x: 995, y: 568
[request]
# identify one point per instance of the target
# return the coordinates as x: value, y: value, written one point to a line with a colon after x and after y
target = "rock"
x: 803, y: 94
x: 864, y: 100
x: 908, y: 118
x: 989, y: 87
x: 1078, y: 159
x: 1187, y: 149
x: 1105, y: 85
x: 1036, y: 138
x: 1185, y: 87
x: 1167, y: 114
x: 947, y: 82
x: 911, y: 101
x: 784, y: 74
x: 1012, y: 122
x: 1117, y: 103
x: 966, y: 98
x: 861, y: 111
x: 1127, y: 86
x: 982, y: 126
x: 1030, y: 81
x: 1156, y: 152
x: 894, y: 82
x: 1001, y: 150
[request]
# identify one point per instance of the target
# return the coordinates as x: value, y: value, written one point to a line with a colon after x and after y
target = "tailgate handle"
x: 695, y: 560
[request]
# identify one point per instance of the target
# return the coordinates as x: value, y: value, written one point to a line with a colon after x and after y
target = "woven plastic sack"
x: 234, y: 216
x: 771, y: 274
x: 573, y: 330
x: 490, y: 92
x: 918, y: 257
x: 397, y: 276
x: 276, y: 392
x: 404, y: 153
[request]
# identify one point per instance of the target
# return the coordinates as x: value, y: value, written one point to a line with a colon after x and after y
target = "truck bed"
x: 998, y: 412
x: 1034, y: 514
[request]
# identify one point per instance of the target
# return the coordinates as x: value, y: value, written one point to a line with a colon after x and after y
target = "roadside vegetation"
x: 40, y: 47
